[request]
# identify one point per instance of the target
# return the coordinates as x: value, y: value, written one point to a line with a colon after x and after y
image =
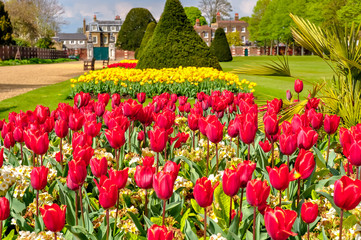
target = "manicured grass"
x: 310, y: 69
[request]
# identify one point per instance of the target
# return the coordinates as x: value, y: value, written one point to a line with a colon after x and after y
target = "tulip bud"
x: 203, y: 192
x: 172, y: 168
x: 288, y: 95
x: 99, y: 167
x: 298, y: 86
x: 39, y: 177
x: 53, y: 217
x: 77, y: 171
x: 158, y: 139
x: 331, y: 123
x: 231, y: 182
x: 4, y: 208
x: 245, y: 170
x: 309, y: 212
x: 115, y: 137
x: 163, y: 185
x: 141, y: 97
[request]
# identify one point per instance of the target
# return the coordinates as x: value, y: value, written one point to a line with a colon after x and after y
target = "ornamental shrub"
x: 133, y: 29
x: 220, y: 46
x: 175, y: 43
x: 147, y: 36
x: 6, y: 28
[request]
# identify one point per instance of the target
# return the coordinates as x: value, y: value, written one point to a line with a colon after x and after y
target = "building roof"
x: 107, y: 22
x: 70, y: 36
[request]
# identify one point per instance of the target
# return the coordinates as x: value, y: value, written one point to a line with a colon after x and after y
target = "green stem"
x: 37, y: 203
x: 254, y: 222
x: 207, y: 157
x: 76, y: 208
x: 164, y: 203
x: 205, y: 223
x: 328, y: 148
x: 341, y: 220
x: 116, y: 214
x: 107, y: 216
x: 230, y: 211
x: 81, y: 205
x: 217, y: 158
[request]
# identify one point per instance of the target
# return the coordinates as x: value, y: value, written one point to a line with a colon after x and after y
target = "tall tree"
x: 255, y: 20
x: 193, y: 13
x: 35, y: 19
x: 350, y: 12
x: 6, y: 28
x: 211, y: 7
x: 131, y: 34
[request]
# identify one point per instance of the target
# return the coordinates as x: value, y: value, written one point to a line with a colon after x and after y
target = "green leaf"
x: 196, y: 207
x: 80, y: 232
x: 137, y: 224
x: 350, y: 222
x: 148, y: 222
x: 324, y: 236
x: 39, y: 224
x: 222, y: 201
x: 10, y: 236
x: 190, y: 235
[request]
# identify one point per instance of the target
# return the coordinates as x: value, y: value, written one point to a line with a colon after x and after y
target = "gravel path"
x: 16, y: 80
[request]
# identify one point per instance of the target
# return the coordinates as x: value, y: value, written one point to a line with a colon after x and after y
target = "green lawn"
x: 308, y: 68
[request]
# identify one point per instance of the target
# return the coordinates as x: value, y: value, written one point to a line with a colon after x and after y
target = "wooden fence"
x: 9, y: 52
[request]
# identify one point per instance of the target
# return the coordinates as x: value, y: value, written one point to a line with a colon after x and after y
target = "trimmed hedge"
x: 175, y: 43
x: 220, y: 46
x: 147, y: 36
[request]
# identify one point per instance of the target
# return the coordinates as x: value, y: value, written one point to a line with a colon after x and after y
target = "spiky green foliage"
x: 220, y: 46
x: 133, y: 29
x: 280, y: 68
x: 6, y: 28
x: 175, y: 43
x: 147, y: 36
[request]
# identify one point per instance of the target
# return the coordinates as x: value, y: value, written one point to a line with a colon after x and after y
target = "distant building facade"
x: 207, y: 32
x: 101, y: 37
x: 71, y: 40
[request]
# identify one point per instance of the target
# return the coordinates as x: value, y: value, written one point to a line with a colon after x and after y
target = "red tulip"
x: 119, y: 178
x: 203, y: 192
x: 115, y: 100
x: 120, y: 121
x: 279, y: 223
x: 165, y: 119
x: 41, y: 113
x: 143, y: 175
x: 81, y: 138
x: 140, y: 136
x: 61, y: 128
x: 39, y: 177
x: 182, y: 100
x: 288, y: 95
x: 347, y: 193
x: 274, y: 106
x: 156, y: 232
x: 304, y: 164
x: 233, y: 128
x: 4, y: 208
x: 92, y: 128
x: 271, y: 124
x: 179, y: 139
x: 355, y: 153
x: 99, y: 108
x: 131, y: 108
x: 53, y: 217
x: 309, y: 212
x: 187, y: 107
x: 1, y: 157
x: 316, y: 119
x: 163, y: 185
x: 71, y: 185
x: 231, y: 182
x: 245, y: 170
x: 306, y: 138
x: 172, y: 168
x: 108, y: 192
x: 331, y: 123
x: 257, y: 192
x: 104, y: 98
x: 203, y: 123
x: 7, y: 127
x: 279, y: 177
x: 18, y: 134
x: 81, y: 99
x: 158, y: 139
x: 9, y: 140
x: 84, y: 153
x: 145, y: 115
x: 39, y: 142
x: 141, y: 97
x: 115, y: 137
x: 298, y: 86
x: 99, y: 167
x: 77, y: 172
x: 299, y: 121
x: 193, y: 121
x: 48, y: 125
x: 266, y: 146
x: 173, y: 98
x: 248, y: 127
x: 312, y: 103
x: 76, y: 121
x: 288, y: 143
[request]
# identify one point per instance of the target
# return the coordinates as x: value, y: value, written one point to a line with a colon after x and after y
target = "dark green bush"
x: 175, y: 43
x: 147, y: 36
x: 220, y: 46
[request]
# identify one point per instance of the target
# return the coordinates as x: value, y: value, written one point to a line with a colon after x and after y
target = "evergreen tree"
x: 133, y: 29
x: 147, y: 36
x: 175, y: 43
x: 6, y: 28
x: 220, y: 46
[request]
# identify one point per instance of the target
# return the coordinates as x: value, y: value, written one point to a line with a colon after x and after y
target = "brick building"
x: 207, y: 32
x: 101, y: 37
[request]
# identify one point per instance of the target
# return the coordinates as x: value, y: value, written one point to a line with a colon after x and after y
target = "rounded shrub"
x: 220, y: 46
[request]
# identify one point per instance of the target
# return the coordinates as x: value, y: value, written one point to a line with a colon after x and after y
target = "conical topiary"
x: 175, y: 43
x: 147, y: 36
x: 220, y: 46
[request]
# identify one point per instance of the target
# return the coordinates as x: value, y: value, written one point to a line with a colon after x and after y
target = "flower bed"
x: 181, y: 81
x: 124, y: 64
x: 140, y: 170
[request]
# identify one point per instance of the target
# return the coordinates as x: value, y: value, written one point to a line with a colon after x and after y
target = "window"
x: 243, y: 39
x: 95, y: 40
x: 105, y: 28
x: 234, y: 29
x: 212, y: 34
x: 113, y: 28
x: 105, y: 40
x: 225, y: 30
x: 72, y: 42
x: 94, y: 28
x: 64, y: 42
x: 243, y: 29
x: 199, y: 33
x: 81, y: 42
x: 205, y: 35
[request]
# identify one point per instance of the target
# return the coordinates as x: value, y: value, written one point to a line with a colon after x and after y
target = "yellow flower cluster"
x: 129, y: 61
x: 190, y: 75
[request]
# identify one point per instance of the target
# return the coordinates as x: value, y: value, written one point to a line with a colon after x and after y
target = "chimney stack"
x: 198, y: 23
x: 117, y: 17
x: 236, y: 17
x: 218, y: 18
x: 84, y: 26
x: 95, y: 18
